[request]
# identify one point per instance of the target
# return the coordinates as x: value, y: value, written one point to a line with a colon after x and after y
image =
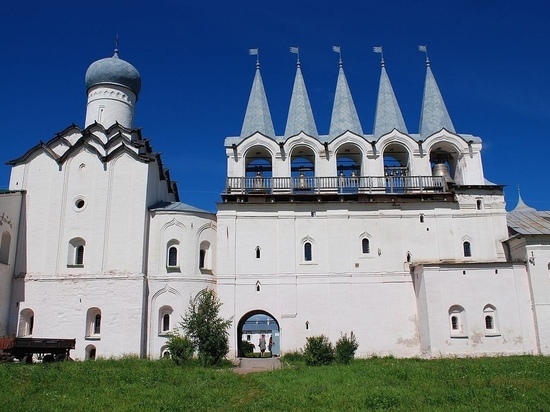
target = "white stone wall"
x: 108, y: 104
x: 10, y: 212
x: 172, y: 288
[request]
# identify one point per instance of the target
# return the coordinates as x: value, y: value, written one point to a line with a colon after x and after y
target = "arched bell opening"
x: 302, y: 168
x: 348, y: 166
x: 396, y: 167
x: 444, y: 162
x: 258, y: 169
x: 250, y: 329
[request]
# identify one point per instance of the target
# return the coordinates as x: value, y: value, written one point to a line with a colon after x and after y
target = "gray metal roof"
x: 344, y: 114
x: 434, y: 115
x: 300, y: 115
x: 388, y: 115
x: 177, y: 206
x: 527, y: 220
x: 258, y: 116
x: 113, y: 70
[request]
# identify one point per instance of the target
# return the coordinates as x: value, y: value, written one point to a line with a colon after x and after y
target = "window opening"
x: 173, y: 256
x: 166, y: 322
x: 307, y: 252
x: 421, y: 218
x: 479, y: 204
x: 257, y: 252
x: 97, y: 324
x: 365, y: 245
x: 202, y: 256
x: 5, y: 247
x: 79, y: 259
x: 467, y: 249
x: 454, y: 322
x: 489, y: 322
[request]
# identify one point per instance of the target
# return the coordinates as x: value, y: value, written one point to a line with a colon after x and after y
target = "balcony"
x: 339, y: 185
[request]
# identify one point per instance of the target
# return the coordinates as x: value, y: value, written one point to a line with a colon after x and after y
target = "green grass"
x: 519, y: 383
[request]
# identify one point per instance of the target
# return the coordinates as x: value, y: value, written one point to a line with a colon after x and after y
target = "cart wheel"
x: 61, y: 357
x: 27, y: 359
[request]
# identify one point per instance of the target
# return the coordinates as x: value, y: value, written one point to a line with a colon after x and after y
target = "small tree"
x: 318, y: 351
x: 180, y: 347
x: 206, y: 329
x: 345, y: 348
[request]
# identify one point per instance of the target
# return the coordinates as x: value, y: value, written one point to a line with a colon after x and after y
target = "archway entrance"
x: 250, y: 328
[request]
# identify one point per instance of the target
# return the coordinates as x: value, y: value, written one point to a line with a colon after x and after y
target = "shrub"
x: 181, y: 348
x: 294, y: 356
x: 318, y: 351
x: 345, y: 348
x: 248, y: 347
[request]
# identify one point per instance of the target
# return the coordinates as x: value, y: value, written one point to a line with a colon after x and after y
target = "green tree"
x: 206, y: 329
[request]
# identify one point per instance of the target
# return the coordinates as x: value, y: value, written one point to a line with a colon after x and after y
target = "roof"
x: 257, y: 117
x: 344, y: 113
x: 388, y: 114
x: 177, y: 207
x: 434, y: 115
x: 300, y: 115
x: 113, y: 70
x: 526, y: 220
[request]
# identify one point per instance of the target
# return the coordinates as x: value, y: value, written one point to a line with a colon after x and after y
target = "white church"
x: 393, y: 235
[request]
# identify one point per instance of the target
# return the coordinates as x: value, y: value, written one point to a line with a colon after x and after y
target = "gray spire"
x: 521, y: 206
x: 344, y: 114
x: 300, y: 115
x: 388, y: 115
x: 434, y: 115
x: 257, y: 117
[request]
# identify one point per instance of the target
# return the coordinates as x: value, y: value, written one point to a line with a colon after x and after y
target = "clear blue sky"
x: 490, y: 58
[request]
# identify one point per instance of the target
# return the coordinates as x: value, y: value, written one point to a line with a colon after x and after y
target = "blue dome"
x: 113, y: 70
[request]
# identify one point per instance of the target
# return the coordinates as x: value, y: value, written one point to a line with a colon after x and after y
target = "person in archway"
x: 270, y: 345
x: 262, y: 345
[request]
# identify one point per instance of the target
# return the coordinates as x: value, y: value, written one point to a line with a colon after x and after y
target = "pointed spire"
x: 434, y: 115
x: 300, y: 115
x: 521, y: 206
x: 388, y: 115
x: 258, y: 116
x: 344, y: 114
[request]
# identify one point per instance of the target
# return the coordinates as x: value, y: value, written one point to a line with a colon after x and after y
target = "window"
x: 165, y: 320
x: 307, y: 252
x: 93, y: 323
x: 173, y: 256
x: 421, y: 218
x: 76, y: 252
x: 258, y: 252
x: 457, y: 322
x: 365, y: 246
x: 479, y: 204
x: 90, y: 352
x: 490, y: 321
x: 205, y: 258
x: 5, y: 247
x: 467, y: 249
x: 26, y: 323
x: 202, y: 256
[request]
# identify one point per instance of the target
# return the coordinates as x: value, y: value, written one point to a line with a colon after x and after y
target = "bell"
x: 441, y: 169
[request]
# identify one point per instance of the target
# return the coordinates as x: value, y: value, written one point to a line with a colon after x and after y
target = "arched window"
x: 202, y: 256
x: 205, y: 256
x: 172, y: 256
x: 467, y: 249
x: 365, y: 245
x: 76, y: 252
x: 5, y: 247
x: 93, y: 323
x: 90, y: 352
x: 490, y: 321
x: 258, y: 252
x: 165, y: 320
x: 307, y: 252
x: 26, y: 322
x: 457, y: 322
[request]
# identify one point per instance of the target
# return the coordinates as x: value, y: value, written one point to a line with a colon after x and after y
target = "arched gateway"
x: 252, y: 325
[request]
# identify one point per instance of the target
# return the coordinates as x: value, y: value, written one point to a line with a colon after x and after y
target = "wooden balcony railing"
x: 335, y: 185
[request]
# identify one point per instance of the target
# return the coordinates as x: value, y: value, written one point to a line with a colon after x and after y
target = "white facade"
x: 395, y: 236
